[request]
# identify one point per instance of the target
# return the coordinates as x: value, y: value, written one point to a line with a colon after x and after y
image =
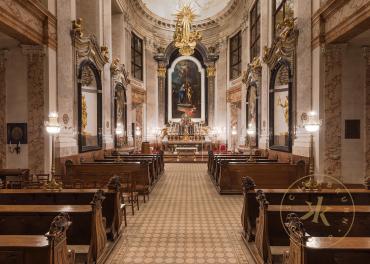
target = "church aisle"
x: 185, y: 221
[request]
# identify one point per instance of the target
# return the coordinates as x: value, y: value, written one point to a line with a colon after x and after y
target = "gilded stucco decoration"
x: 184, y: 37
x: 284, y: 45
x: 87, y: 47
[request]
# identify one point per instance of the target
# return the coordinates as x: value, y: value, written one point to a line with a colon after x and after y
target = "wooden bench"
x: 50, y: 248
x: 223, y: 161
x: 20, y: 175
x: 158, y: 156
x: 87, y: 235
x: 272, y: 238
x: 153, y: 158
x: 154, y: 173
x: 101, y: 173
x: 306, y: 249
x: 265, y: 175
x: 111, y: 206
x: 275, y: 197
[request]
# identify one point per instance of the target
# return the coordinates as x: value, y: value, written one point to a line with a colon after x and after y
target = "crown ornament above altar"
x: 185, y: 39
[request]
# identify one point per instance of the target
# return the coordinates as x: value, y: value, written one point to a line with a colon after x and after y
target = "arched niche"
x: 281, y: 60
x: 120, y: 82
x: 89, y: 107
x: 89, y: 59
x: 280, y: 101
x: 120, y: 114
x: 252, y: 80
x: 252, y: 118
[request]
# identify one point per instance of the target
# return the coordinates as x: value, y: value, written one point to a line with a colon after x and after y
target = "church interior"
x: 184, y: 131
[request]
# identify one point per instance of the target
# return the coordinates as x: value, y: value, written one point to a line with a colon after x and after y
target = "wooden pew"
x: 306, y: 249
x: 101, y: 173
x: 111, y: 206
x: 157, y: 156
x: 223, y: 161
x: 275, y: 197
x: 265, y: 175
x: 272, y: 239
x: 153, y: 158
x: 154, y: 173
x: 87, y: 235
x: 19, y: 174
x: 50, y: 248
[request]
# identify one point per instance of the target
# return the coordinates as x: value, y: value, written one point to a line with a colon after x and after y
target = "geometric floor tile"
x: 185, y: 221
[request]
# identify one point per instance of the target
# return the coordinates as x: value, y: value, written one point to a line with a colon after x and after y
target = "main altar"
x: 186, y: 135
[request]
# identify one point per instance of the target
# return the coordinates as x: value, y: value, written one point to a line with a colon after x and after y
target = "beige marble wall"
x: 152, y: 90
x: 353, y: 105
x: 2, y: 110
x: 35, y: 104
x: 221, y: 87
x: 333, y: 111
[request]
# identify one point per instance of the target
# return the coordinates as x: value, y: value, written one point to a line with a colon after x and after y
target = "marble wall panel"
x: 333, y: 111
x: 36, y: 130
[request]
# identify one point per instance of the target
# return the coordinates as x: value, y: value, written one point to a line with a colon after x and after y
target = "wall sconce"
x: 15, y: 149
x: 251, y: 131
x: 311, y: 124
x: 53, y: 128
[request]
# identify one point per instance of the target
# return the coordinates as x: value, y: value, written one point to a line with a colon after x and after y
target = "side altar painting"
x: 186, y: 90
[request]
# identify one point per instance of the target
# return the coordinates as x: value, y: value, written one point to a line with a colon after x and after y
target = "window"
x: 137, y: 57
x: 255, y: 30
x: 283, y: 9
x: 235, y: 56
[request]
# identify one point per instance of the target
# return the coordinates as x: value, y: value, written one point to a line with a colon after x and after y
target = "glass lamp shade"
x: 234, y: 132
x: 52, y: 129
x: 312, y: 127
x: 119, y: 129
x: 251, y: 131
x: 138, y: 131
x: 52, y: 126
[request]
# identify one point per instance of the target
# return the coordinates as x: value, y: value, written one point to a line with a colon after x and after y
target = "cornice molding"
x: 339, y: 20
x: 29, y: 21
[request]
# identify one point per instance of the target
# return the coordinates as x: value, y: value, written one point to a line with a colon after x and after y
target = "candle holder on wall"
x: 16, y: 135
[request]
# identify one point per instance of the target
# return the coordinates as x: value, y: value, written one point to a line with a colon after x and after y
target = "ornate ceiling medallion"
x: 186, y: 39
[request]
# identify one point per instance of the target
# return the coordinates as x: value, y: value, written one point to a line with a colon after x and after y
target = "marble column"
x: 211, y: 75
x: 333, y: 111
x: 2, y: 109
x: 106, y: 27
x: 266, y: 33
x: 36, y: 103
x: 66, y: 143
x: 162, y: 70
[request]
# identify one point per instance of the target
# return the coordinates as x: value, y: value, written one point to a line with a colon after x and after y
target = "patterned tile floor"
x: 185, y: 221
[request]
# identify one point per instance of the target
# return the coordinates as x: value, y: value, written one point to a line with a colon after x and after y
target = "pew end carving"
x: 248, y: 227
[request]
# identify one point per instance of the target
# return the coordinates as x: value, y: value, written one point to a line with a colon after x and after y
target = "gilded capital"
x: 211, y: 71
x: 162, y: 71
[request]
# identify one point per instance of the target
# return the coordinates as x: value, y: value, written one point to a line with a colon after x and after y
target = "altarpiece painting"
x: 186, y: 89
